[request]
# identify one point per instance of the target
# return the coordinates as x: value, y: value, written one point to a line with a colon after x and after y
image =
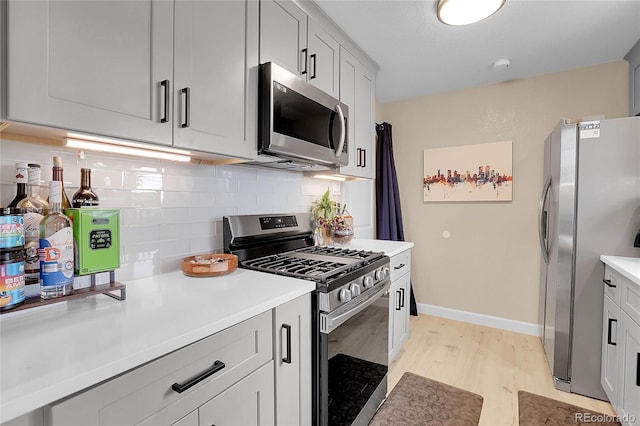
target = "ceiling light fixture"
x: 463, y: 12
x: 159, y: 153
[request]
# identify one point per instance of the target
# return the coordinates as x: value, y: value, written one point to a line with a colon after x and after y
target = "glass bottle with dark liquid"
x: 21, y: 184
x: 84, y: 196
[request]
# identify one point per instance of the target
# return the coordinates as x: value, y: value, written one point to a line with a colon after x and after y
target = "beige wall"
x: 491, y: 262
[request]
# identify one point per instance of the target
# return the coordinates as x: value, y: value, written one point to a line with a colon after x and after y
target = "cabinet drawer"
x: 400, y: 264
x: 612, y: 282
x: 629, y: 293
x: 135, y: 395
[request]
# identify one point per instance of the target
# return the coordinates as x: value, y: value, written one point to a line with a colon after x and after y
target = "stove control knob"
x: 344, y: 295
x: 355, y: 289
x: 379, y: 274
x: 367, y: 282
x: 386, y: 271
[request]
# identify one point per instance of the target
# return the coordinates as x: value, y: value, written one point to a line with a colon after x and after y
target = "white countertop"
x: 50, y: 352
x: 627, y: 266
x: 390, y: 248
x: 54, y: 351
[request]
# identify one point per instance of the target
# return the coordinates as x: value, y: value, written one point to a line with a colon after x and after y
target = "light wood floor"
x: 491, y: 362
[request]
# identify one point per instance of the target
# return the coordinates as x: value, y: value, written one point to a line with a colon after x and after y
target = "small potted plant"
x: 324, y: 210
x: 332, y: 223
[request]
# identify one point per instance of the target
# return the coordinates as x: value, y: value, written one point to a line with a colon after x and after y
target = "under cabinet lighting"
x: 330, y: 177
x: 138, y: 150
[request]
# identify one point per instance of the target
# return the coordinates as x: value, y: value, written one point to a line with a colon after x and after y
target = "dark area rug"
x: 417, y: 400
x: 535, y: 410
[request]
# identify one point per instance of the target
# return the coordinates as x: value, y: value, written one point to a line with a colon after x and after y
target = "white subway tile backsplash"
x: 167, y: 210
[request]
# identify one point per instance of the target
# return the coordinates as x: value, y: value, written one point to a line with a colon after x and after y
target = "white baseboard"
x: 480, y: 319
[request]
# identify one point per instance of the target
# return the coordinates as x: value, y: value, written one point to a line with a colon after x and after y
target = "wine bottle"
x: 34, y: 207
x: 84, y: 196
x: 58, y: 176
x: 56, y: 248
x: 21, y: 181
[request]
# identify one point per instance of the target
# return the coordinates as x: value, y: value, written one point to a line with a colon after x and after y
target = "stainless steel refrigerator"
x: 590, y: 205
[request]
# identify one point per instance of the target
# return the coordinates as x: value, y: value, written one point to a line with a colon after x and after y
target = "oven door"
x: 353, y: 363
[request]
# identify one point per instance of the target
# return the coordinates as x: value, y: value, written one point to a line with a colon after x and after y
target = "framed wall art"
x: 481, y: 172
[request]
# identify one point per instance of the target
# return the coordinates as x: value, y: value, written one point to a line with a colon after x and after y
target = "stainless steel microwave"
x: 298, y: 121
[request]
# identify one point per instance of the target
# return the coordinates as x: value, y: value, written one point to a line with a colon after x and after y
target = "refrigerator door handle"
x: 542, y: 221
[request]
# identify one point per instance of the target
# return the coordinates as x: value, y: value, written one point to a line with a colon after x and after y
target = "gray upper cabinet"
x: 634, y: 79
x: 178, y: 73
x: 323, y: 62
x: 283, y: 35
x: 295, y: 41
x: 91, y: 66
x: 357, y: 90
x: 216, y: 80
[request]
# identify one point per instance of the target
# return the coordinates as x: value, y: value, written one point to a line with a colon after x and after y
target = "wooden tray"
x: 209, y: 265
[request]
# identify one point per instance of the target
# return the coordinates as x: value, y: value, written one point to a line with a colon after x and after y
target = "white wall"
x: 168, y: 210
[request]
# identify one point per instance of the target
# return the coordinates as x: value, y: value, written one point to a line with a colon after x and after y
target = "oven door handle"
x: 333, y: 320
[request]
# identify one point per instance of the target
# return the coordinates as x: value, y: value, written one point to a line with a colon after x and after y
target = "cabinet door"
x: 628, y: 407
x: 399, y: 315
x: 190, y: 419
x: 293, y: 361
x: 323, y: 63
x: 92, y: 66
x: 283, y: 35
x: 365, y: 122
x: 249, y: 402
x: 609, y: 370
x: 357, y: 91
x: 348, y: 71
x: 215, y: 90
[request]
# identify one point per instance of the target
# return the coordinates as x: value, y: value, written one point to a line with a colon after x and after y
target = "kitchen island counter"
x: 53, y: 351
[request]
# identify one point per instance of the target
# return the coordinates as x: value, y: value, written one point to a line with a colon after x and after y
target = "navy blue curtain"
x: 389, y: 214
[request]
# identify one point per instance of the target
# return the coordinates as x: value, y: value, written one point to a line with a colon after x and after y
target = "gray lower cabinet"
x: 609, y: 368
x: 178, y: 73
x: 620, y: 375
x: 399, y: 298
x: 633, y: 57
x: 249, y: 403
x: 257, y: 372
x: 292, y: 357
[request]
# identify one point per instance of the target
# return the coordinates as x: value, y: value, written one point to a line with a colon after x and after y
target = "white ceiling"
x: 419, y: 55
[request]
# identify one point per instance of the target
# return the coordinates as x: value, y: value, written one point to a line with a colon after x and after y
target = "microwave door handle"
x: 343, y: 131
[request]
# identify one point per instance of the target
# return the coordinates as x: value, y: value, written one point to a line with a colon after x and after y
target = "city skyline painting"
x: 481, y: 172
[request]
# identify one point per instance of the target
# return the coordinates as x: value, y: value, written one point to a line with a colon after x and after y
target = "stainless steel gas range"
x: 350, y: 309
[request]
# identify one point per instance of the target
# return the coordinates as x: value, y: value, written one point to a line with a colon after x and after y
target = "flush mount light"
x: 463, y: 12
